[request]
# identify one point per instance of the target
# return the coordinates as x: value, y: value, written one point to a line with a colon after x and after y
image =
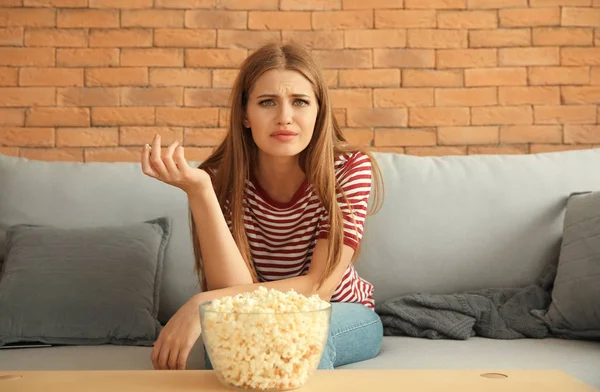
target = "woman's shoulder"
x: 351, y: 160
x: 352, y: 167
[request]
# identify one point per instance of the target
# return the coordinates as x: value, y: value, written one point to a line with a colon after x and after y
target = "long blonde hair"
x: 232, y: 161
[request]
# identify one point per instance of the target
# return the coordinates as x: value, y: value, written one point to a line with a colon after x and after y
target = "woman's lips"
x: 284, y: 136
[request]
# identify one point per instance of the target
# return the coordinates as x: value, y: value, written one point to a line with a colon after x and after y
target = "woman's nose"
x: 285, y: 114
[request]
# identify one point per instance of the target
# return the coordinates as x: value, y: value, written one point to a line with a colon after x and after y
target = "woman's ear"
x: 246, y: 122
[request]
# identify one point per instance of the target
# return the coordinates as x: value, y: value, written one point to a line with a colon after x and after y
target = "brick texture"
x: 94, y: 80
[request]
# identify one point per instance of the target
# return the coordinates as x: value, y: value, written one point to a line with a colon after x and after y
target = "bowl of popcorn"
x: 265, y: 340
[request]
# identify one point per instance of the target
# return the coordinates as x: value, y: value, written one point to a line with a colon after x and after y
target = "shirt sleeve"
x: 354, y: 178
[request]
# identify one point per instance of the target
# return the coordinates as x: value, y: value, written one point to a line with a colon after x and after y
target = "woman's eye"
x: 297, y: 102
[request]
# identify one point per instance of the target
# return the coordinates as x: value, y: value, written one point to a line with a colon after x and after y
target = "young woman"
x: 281, y: 203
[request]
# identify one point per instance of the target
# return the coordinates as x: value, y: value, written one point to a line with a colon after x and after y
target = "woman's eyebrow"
x: 277, y: 96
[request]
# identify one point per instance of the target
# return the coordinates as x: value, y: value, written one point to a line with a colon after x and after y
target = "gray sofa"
x: 449, y: 225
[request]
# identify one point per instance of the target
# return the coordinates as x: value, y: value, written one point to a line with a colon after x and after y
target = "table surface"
x: 323, y: 380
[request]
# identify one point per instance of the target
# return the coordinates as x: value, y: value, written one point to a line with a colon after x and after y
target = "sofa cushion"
x: 578, y: 358
x: 83, y: 285
x: 102, y: 357
x: 72, y: 194
x: 453, y: 224
x: 575, y: 307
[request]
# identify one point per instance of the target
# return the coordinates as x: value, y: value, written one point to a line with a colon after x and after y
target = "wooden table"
x: 323, y: 380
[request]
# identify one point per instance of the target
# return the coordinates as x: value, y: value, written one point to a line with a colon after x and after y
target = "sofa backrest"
x: 448, y: 224
x: 457, y: 223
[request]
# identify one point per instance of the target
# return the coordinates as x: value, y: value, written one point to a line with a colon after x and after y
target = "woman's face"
x: 281, y: 112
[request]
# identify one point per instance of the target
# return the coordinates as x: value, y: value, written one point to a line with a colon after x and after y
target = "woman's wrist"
x: 197, y: 299
x: 200, y: 190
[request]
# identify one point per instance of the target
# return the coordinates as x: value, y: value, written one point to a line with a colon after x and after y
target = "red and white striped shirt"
x: 282, y: 236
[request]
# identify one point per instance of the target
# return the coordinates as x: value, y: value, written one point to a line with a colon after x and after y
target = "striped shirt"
x: 282, y: 236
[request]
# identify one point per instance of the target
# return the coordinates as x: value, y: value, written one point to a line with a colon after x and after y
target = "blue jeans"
x: 355, y: 335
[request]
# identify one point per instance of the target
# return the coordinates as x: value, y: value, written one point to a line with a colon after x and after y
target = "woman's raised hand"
x: 172, y: 168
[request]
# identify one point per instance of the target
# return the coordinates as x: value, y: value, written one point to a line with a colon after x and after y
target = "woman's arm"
x: 224, y: 265
x: 223, y: 262
x: 306, y: 284
x: 176, y: 340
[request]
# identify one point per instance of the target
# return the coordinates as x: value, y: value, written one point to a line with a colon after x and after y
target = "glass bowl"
x: 264, y: 351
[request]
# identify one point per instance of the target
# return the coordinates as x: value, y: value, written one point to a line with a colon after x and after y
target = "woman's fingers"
x: 146, y: 167
x: 170, y: 166
x: 155, y: 354
x: 176, y: 340
x: 156, y: 159
x: 183, y: 356
x: 172, y: 363
x: 179, y: 158
x: 168, y: 160
x: 163, y: 358
x: 171, y: 356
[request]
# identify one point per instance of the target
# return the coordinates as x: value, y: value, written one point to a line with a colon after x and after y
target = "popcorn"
x: 266, y: 339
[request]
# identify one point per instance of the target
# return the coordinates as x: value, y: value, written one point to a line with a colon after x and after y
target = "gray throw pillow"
x: 83, y: 285
x: 575, y: 308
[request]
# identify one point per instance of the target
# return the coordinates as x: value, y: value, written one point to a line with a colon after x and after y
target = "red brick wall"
x: 90, y: 80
